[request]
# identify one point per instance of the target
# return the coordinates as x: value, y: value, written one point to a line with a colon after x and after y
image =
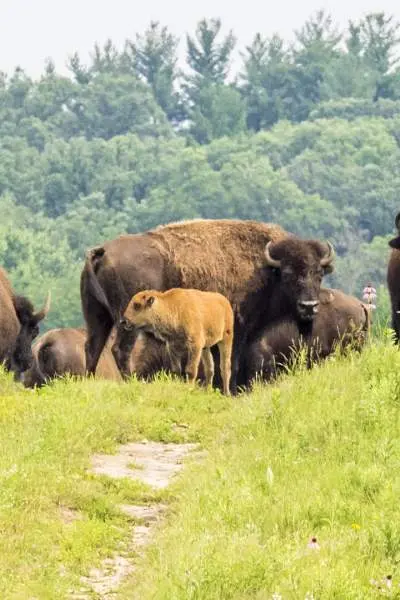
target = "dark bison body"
x: 19, y: 325
x: 62, y: 351
x: 393, y: 279
x: 246, y: 261
x: 341, y: 321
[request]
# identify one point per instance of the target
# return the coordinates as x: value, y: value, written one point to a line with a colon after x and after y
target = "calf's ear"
x: 395, y: 243
x: 150, y: 300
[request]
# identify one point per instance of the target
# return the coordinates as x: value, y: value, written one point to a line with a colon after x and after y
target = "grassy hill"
x: 315, y: 455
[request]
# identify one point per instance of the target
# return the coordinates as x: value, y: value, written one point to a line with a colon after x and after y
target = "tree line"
x: 305, y: 134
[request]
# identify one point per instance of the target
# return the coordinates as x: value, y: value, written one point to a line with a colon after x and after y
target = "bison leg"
x: 96, y: 340
x: 122, y: 349
x: 396, y: 325
x: 225, y: 354
x: 193, y: 362
x: 238, y: 347
x: 208, y: 364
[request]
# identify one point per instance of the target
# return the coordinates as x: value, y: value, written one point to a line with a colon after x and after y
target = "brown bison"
x: 190, y: 322
x: 19, y: 325
x: 250, y: 263
x: 341, y: 321
x: 62, y: 351
x: 393, y: 279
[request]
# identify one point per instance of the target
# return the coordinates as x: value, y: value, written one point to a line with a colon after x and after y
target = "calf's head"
x: 300, y: 266
x: 139, y: 311
x: 21, y: 358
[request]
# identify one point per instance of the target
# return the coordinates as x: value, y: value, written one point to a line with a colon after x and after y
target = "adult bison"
x: 19, y: 325
x: 62, y: 351
x: 341, y: 321
x: 393, y: 279
x: 246, y: 261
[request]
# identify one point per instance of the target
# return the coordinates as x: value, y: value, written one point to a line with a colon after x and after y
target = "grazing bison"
x: 149, y: 356
x: 246, y: 261
x: 342, y: 320
x: 393, y: 279
x: 62, y: 351
x: 190, y: 322
x: 19, y: 325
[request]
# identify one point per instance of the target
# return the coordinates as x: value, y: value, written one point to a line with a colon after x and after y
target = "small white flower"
x: 270, y: 476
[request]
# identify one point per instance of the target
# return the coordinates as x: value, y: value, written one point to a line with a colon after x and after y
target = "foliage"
x: 305, y: 135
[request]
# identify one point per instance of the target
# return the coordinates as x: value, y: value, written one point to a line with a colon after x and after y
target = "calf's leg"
x: 208, y: 364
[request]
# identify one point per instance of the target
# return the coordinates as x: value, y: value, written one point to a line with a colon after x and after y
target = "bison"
x: 341, y: 321
x: 246, y: 261
x: 393, y: 279
x: 190, y: 322
x: 62, y: 351
x: 19, y: 325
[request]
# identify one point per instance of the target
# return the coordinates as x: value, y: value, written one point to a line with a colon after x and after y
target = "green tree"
x: 153, y: 56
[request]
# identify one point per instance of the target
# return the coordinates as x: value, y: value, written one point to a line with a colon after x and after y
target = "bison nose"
x: 307, y: 308
x: 125, y: 324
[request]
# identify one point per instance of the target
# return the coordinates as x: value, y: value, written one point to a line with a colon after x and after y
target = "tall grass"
x: 315, y: 454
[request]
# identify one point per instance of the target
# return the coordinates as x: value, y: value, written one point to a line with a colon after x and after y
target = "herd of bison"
x: 242, y: 295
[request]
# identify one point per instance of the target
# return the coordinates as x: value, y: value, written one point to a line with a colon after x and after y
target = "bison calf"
x: 342, y: 320
x: 60, y: 352
x: 189, y: 322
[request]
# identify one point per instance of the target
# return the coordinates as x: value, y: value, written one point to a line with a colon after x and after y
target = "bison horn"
x: 272, y: 262
x: 39, y: 316
x: 328, y: 258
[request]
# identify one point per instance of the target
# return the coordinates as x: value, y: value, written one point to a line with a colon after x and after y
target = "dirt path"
x: 157, y: 464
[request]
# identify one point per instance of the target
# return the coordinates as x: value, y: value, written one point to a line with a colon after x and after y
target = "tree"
x: 153, y: 58
x: 205, y: 87
x: 207, y: 58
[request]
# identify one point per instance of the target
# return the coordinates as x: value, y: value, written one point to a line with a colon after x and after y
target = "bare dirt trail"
x: 157, y: 464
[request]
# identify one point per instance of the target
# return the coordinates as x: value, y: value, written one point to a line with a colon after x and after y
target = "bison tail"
x: 89, y: 282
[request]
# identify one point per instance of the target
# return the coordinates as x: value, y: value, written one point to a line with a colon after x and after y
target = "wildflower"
x: 356, y: 526
x: 270, y: 476
x: 313, y: 544
x: 309, y: 596
x: 276, y: 596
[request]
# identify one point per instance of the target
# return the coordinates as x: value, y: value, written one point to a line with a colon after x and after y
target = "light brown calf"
x: 189, y: 322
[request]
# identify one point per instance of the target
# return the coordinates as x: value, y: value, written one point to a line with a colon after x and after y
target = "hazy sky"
x: 31, y: 30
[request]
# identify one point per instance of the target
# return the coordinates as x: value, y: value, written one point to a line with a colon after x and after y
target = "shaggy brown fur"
x: 189, y: 322
x: 62, y: 351
x: 19, y: 325
x: 227, y: 256
x: 393, y: 279
x: 342, y: 321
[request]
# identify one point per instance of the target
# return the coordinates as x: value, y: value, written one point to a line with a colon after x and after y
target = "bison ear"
x: 395, y: 243
x: 150, y: 301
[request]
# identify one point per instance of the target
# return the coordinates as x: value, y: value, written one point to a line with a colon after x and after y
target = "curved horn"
x: 397, y: 221
x: 328, y: 258
x: 39, y: 316
x: 272, y: 262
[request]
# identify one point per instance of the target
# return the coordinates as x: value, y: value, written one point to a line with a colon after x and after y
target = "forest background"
x: 305, y: 134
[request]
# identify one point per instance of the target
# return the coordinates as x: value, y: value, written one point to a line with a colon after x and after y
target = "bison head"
x: 395, y: 242
x: 21, y: 357
x: 300, y: 266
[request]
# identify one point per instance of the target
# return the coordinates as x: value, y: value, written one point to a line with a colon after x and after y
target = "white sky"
x: 31, y: 30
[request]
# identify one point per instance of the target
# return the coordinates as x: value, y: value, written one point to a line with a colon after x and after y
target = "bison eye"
x: 136, y: 305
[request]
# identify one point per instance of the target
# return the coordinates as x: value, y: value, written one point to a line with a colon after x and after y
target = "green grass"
x: 317, y: 454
